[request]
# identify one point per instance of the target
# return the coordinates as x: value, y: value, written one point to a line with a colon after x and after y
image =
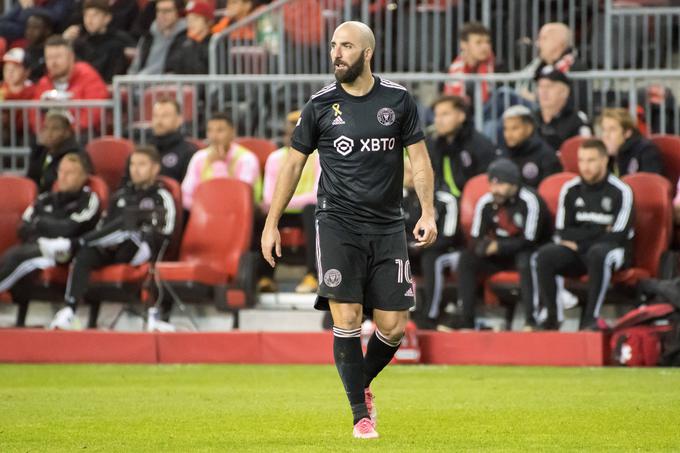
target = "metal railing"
x: 637, y: 37
x: 259, y: 103
x: 292, y: 36
x: 20, y: 120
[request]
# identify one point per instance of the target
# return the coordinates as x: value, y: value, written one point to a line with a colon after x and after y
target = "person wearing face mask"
x: 594, y: 230
x: 629, y: 152
x: 510, y: 222
x: 222, y: 159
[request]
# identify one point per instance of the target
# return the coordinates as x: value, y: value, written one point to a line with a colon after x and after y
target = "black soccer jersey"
x: 360, y: 142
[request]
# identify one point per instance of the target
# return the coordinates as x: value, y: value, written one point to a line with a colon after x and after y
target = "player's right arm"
x: 287, y: 181
x: 304, y: 142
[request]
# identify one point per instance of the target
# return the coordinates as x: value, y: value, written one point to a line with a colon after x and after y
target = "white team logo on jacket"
x: 386, y: 116
x: 343, y: 145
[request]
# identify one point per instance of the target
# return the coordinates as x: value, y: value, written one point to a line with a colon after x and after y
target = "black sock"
x: 379, y: 353
x: 349, y: 359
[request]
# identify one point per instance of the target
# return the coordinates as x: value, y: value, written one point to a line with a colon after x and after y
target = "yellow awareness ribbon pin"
x: 336, y: 109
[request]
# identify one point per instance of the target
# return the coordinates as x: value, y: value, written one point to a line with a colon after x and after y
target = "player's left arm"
x: 425, y: 231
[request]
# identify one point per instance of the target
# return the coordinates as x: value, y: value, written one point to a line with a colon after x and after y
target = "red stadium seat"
x: 23, y: 193
x: 213, y: 262
x: 186, y: 99
x: 124, y: 282
x: 261, y: 147
x: 473, y: 191
x: 109, y: 157
x: 568, y: 153
x: 550, y: 188
x: 669, y: 145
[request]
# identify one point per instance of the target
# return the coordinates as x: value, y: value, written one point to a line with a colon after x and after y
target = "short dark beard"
x: 352, y: 72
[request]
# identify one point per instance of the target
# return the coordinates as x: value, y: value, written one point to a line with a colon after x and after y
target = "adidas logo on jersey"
x: 580, y: 203
x: 338, y: 121
x: 409, y: 293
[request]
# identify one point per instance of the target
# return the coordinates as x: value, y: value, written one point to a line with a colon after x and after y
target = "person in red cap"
x: 15, y: 86
x: 193, y: 55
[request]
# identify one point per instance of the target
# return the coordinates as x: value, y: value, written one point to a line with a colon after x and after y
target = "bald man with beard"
x: 360, y: 124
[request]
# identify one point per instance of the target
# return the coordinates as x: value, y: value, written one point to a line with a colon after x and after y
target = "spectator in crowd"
x: 123, y: 13
x: 13, y: 23
x: 222, y: 159
x: 237, y: 10
x: 594, y: 224
x: 557, y: 121
x: 97, y: 43
x: 300, y: 210
x: 192, y: 57
x: 56, y: 139
x: 38, y: 28
x: 534, y: 157
x: 425, y: 261
x: 69, y: 211
x: 140, y: 218
x: 457, y: 151
x: 629, y: 152
x: 555, y: 48
x: 68, y: 80
x: 510, y: 221
x: 162, y: 43
x: 15, y: 85
x: 475, y: 57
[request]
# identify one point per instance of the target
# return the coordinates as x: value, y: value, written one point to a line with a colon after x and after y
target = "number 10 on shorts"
x: 403, y: 270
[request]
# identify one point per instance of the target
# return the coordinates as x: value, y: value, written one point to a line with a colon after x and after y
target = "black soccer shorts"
x: 369, y: 269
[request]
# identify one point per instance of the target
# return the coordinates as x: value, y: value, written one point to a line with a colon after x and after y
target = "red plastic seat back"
x: 261, y: 147
x: 18, y: 194
x: 550, y: 188
x: 186, y: 99
x: 109, y: 157
x: 568, y: 153
x: 220, y: 225
x: 669, y: 145
x: 473, y: 191
x: 653, y: 218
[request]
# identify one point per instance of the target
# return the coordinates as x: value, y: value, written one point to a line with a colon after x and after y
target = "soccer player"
x: 360, y: 125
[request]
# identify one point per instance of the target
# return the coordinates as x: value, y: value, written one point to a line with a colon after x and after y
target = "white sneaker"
x: 567, y: 299
x: 65, y: 319
x: 58, y: 249
x: 153, y: 324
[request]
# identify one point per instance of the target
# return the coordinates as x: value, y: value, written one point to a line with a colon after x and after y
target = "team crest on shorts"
x: 386, y: 116
x: 332, y: 278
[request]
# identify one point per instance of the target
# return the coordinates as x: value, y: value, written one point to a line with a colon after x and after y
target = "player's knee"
x: 346, y: 316
x: 392, y: 329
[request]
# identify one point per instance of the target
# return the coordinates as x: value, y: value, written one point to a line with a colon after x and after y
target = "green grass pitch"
x: 194, y: 408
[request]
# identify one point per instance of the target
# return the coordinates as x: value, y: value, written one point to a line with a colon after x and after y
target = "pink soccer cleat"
x: 372, y: 411
x: 365, y: 429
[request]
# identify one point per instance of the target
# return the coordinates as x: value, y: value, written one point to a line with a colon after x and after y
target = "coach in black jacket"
x: 457, y: 151
x: 534, y: 157
x: 509, y: 222
x: 141, y: 215
x: 68, y: 212
x: 594, y: 226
